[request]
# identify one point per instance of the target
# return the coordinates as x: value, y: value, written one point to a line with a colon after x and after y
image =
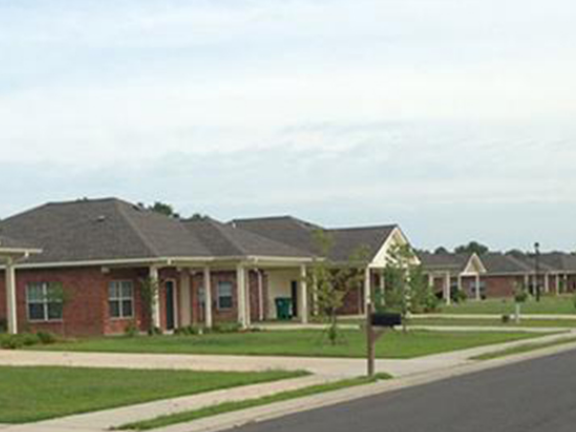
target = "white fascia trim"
x: 19, y: 251
x: 167, y: 261
x: 397, y: 231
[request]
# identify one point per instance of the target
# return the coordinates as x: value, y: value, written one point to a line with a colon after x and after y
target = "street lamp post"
x: 537, y: 269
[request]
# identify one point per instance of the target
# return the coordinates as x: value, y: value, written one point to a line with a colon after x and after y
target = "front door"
x: 170, y: 292
x: 294, y: 289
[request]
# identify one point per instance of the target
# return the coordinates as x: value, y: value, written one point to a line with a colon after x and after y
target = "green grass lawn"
x: 563, y: 305
x: 37, y: 393
x: 484, y: 322
x: 307, y: 343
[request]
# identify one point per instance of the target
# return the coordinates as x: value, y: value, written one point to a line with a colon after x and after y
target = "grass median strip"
x: 38, y: 393
x: 227, y: 407
x: 520, y: 349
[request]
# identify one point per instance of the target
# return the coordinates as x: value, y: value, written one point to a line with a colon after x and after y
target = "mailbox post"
x: 376, y: 326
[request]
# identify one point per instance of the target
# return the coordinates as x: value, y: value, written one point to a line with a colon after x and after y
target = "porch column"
x: 303, y: 296
x: 12, y: 316
x: 566, y: 283
x: 185, y: 301
x: 241, y: 294
x: 315, y: 306
x: 383, y: 287
x: 527, y: 282
x: 477, y: 287
x: 367, y: 288
x: 447, y: 288
x: 155, y: 281
x: 208, y: 297
x: 260, y: 294
x: 547, y: 283
x: 459, y: 282
x: 430, y: 280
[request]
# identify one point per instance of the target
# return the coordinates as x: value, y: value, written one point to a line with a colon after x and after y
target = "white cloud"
x: 295, y: 105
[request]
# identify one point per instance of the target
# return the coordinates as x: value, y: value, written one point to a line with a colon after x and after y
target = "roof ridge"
x: 220, y: 227
x: 120, y: 205
x: 359, y: 228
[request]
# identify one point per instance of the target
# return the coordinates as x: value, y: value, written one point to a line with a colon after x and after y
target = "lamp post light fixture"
x: 537, y: 269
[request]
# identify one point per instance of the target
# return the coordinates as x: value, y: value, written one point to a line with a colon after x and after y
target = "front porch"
x: 243, y: 292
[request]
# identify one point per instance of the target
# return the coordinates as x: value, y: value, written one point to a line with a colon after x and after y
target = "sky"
x: 453, y: 118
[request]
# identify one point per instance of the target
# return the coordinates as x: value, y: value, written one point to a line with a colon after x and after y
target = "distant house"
x: 101, y: 251
x: 498, y: 274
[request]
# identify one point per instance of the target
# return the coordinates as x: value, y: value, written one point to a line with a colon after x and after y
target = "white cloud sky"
x: 364, y: 111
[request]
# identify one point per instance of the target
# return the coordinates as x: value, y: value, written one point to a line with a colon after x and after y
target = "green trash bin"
x: 283, y: 308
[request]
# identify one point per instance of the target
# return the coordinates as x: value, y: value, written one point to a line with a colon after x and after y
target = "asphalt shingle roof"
x: 112, y: 229
x: 104, y: 229
x: 444, y: 261
x: 227, y: 240
x: 10, y: 243
x: 300, y: 234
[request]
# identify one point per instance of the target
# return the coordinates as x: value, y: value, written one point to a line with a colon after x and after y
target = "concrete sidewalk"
x: 323, y: 369
x: 496, y: 316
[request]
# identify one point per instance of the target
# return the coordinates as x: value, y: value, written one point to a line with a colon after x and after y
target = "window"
x: 44, y: 301
x: 224, y: 295
x: 121, y: 299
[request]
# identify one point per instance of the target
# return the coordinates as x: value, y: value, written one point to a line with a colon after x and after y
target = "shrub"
x: 459, y: 296
x: 505, y: 319
x: 46, y: 338
x: 190, y: 330
x: 3, y: 325
x: 26, y: 339
x: 227, y: 328
x: 131, y: 330
x: 154, y: 331
x: 29, y: 339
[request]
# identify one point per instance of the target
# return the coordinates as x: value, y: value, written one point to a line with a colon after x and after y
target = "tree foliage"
x: 331, y: 281
x: 162, y: 208
x: 407, y: 290
x: 149, y: 293
x: 473, y: 247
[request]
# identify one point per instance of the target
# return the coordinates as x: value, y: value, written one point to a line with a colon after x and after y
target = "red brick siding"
x: 501, y: 286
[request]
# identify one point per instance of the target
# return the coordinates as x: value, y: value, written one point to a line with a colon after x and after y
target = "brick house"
x: 498, y: 274
x: 100, y: 252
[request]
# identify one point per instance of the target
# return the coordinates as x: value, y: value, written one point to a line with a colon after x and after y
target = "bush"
x: 3, y: 325
x: 46, y: 338
x: 155, y: 331
x: 131, y: 330
x: 227, y: 328
x: 506, y: 319
x: 26, y: 339
x: 459, y: 296
x: 190, y: 330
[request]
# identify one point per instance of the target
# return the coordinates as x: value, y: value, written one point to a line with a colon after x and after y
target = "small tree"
x: 149, y: 293
x: 406, y: 288
x: 332, y: 281
x: 520, y: 297
x: 57, y: 296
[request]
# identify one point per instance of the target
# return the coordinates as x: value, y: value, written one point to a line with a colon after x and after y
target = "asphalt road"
x: 537, y: 395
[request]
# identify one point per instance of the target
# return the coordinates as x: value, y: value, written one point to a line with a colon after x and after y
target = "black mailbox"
x: 386, y: 319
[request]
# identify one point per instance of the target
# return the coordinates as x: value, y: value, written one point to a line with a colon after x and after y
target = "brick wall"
x: 501, y: 286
